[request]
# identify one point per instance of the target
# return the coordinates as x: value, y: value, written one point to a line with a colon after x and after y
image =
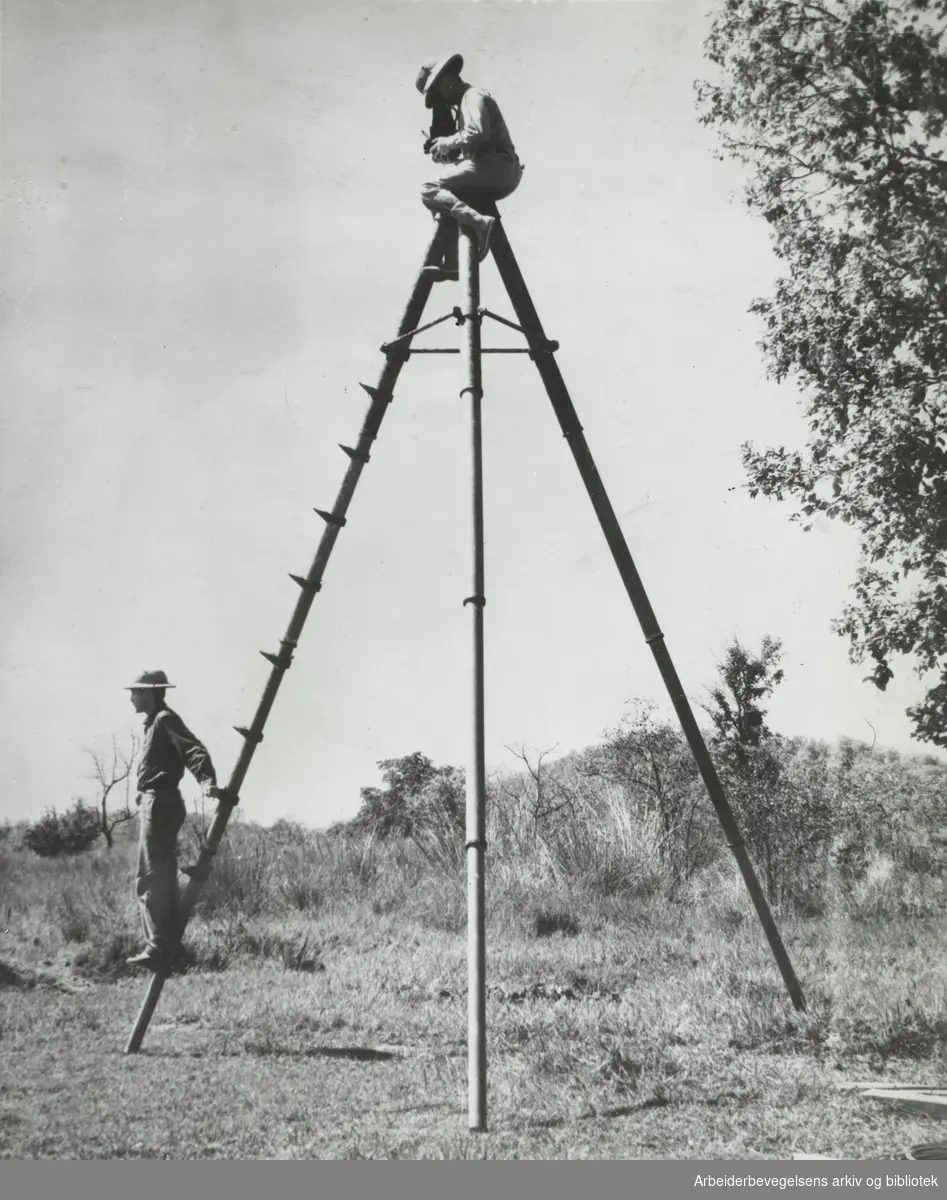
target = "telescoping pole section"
x: 476, y: 771
x: 309, y: 585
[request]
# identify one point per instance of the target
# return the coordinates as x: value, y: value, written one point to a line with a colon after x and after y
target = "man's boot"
x: 447, y: 270
x: 484, y: 231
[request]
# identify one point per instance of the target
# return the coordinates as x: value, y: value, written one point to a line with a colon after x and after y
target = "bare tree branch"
x: 109, y: 771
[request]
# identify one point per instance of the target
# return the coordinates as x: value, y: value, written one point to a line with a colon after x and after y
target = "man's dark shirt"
x: 169, y: 747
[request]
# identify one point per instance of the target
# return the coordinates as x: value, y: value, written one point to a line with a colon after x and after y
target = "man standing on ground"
x: 479, y: 155
x: 168, y: 747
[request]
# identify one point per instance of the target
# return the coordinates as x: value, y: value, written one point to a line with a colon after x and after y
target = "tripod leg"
x: 541, y: 352
x: 381, y: 395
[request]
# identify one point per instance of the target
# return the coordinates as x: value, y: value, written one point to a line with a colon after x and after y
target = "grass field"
x: 332, y: 1023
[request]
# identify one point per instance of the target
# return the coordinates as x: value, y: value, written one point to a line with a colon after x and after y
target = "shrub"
x: 56, y: 834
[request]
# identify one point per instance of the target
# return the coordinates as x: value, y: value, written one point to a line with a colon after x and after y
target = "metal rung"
x: 329, y: 518
x: 304, y: 583
x: 249, y: 734
x: 278, y: 660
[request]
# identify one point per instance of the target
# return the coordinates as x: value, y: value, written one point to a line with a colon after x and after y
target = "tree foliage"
x: 839, y: 111
x: 782, y: 797
x: 650, y: 760
x: 66, y: 833
x: 418, y: 798
x: 746, y: 679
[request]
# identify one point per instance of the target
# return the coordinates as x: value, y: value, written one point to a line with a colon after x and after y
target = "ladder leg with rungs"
x: 358, y: 455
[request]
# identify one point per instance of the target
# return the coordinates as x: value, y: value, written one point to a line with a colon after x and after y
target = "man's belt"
x: 479, y: 151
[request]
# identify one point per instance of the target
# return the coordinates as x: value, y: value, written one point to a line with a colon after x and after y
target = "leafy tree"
x: 779, y: 792
x: 735, y: 706
x: 66, y: 833
x: 417, y: 794
x: 890, y: 805
x: 839, y: 111
x: 651, y: 761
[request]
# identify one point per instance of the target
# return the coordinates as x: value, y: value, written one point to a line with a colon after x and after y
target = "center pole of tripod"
x: 469, y: 264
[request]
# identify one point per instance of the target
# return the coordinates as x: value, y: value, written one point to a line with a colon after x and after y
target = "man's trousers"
x: 497, y: 172
x: 161, y: 816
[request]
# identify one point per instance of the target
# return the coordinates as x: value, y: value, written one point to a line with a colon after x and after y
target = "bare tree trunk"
x: 108, y: 776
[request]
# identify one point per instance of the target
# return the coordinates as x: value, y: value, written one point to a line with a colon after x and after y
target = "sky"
x: 211, y: 222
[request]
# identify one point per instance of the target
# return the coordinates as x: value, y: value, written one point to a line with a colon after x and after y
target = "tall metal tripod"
x: 541, y: 350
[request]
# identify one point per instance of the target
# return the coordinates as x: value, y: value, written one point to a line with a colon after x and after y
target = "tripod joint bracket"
x: 546, y: 346
x: 479, y: 601
x: 654, y: 637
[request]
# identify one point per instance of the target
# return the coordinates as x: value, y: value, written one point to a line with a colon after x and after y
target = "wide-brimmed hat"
x: 431, y: 72
x: 150, y: 679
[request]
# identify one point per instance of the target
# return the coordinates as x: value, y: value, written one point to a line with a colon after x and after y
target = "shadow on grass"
x: 10, y: 977
x: 592, y: 1114
x: 356, y: 1053
x: 431, y: 1106
x: 274, y: 1050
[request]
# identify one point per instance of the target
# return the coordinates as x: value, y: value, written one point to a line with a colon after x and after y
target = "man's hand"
x: 213, y: 792
x: 441, y: 150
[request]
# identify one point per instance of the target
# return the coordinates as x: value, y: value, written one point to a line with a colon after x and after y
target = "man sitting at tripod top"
x: 479, y: 154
